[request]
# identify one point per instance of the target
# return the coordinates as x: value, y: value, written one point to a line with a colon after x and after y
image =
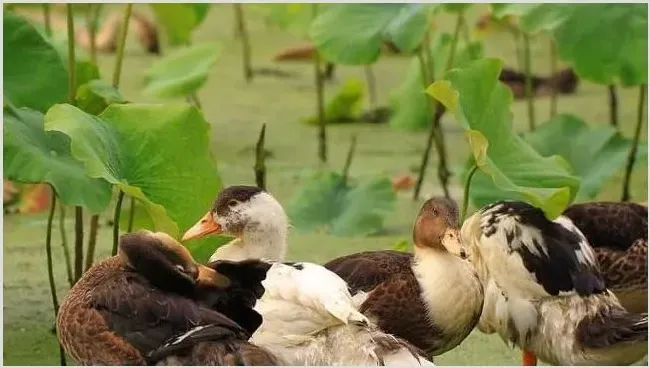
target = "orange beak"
x: 205, y: 226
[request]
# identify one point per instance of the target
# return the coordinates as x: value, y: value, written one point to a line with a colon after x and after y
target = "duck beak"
x: 205, y: 226
x: 451, y: 242
x: 209, y: 277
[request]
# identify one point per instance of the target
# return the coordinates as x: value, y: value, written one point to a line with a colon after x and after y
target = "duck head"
x: 437, y: 227
x: 250, y: 214
x: 166, y: 263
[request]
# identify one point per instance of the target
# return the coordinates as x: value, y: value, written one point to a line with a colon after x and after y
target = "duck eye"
x: 180, y: 268
x: 232, y: 203
x: 435, y: 212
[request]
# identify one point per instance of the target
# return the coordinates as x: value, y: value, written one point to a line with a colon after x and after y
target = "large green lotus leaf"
x: 535, y: 18
x: 180, y: 19
x: 406, y: 30
x: 409, y: 101
x: 32, y: 155
x: 595, y: 153
x: 327, y: 202
x: 159, y: 154
x: 182, y: 72
x: 606, y: 43
x: 34, y: 74
x: 353, y: 34
x: 94, y: 96
x: 364, y: 208
x: 291, y: 17
x: 480, y: 102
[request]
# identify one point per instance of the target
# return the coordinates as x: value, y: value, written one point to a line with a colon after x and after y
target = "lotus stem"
x: 116, y: 222
x: 78, y: 242
x: 72, y: 69
x: 92, y: 241
x: 320, y: 103
x: 435, y: 131
x: 372, y: 85
x: 530, y: 98
x: 468, y: 183
x: 124, y: 29
x: 635, y: 145
x: 47, y: 19
x: 131, y: 215
x: 348, y: 159
x: 64, y: 245
x: 554, y: 90
x: 50, y: 268
x: 260, y: 164
x: 245, y: 41
x: 613, y: 105
x: 194, y: 99
x: 92, y: 17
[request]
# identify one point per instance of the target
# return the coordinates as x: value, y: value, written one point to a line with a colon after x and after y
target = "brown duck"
x: 153, y: 304
x: 432, y: 298
x: 618, y: 232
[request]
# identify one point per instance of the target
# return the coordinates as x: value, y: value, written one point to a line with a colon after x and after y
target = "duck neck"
x: 450, y: 288
x: 269, y: 243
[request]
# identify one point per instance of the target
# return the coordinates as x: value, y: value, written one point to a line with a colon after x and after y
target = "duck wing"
x: 223, y: 343
x: 144, y: 316
x: 530, y: 256
x: 364, y: 271
x: 302, y: 299
x: 610, y: 225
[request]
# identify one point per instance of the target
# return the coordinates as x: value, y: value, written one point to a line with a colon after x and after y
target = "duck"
x: 544, y: 291
x: 432, y: 298
x: 153, y: 304
x: 309, y: 315
x: 618, y: 233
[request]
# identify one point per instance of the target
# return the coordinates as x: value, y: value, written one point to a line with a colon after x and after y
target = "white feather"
x: 309, y: 316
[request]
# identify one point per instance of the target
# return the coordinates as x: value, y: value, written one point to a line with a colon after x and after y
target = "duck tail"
x: 613, y: 326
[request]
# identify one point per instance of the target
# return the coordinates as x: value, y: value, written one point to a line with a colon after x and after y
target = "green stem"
x: 92, y: 241
x: 372, y: 85
x: 64, y: 245
x: 194, y: 99
x: 348, y: 159
x: 116, y: 222
x: 465, y: 30
x: 78, y: 242
x: 613, y: 105
x: 48, y: 19
x: 635, y: 144
x: 92, y: 18
x: 50, y: 268
x: 260, y: 165
x: 435, y: 136
x: 530, y: 97
x: 554, y: 90
x: 124, y: 29
x: 131, y: 215
x: 245, y: 41
x: 72, y: 70
x: 320, y: 104
x: 468, y: 183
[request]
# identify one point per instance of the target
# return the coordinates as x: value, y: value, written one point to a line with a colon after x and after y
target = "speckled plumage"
x: 544, y: 292
x: 618, y: 232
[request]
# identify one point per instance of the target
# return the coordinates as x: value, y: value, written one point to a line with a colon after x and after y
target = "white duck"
x: 544, y: 292
x: 309, y: 316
